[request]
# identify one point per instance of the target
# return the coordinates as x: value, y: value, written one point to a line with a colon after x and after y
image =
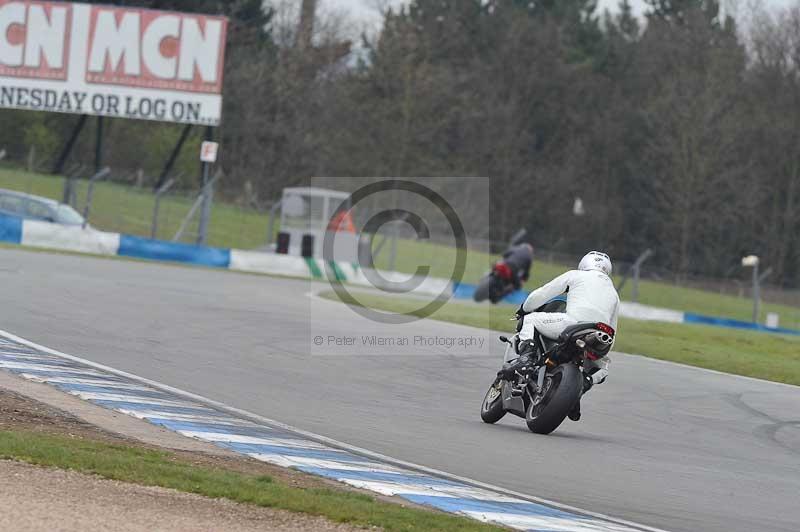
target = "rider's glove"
x: 520, y: 315
x: 526, y: 347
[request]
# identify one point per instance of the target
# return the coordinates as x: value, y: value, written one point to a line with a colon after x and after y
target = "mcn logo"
x: 155, y: 49
x: 130, y: 47
x: 34, y: 39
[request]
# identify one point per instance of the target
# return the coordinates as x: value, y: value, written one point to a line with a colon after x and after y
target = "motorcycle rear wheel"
x: 492, y: 409
x: 565, y: 388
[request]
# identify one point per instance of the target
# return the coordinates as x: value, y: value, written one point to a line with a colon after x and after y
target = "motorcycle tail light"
x: 591, y: 355
x: 608, y: 329
x: 502, y: 269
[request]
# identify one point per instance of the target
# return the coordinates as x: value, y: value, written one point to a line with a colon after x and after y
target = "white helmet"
x: 595, y: 260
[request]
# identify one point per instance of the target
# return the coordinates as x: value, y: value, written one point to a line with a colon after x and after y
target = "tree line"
x: 678, y: 132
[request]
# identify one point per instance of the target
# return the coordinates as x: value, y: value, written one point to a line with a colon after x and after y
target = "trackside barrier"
x: 395, y: 281
x: 10, y: 229
x: 145, y: 248
x: 256, y: 262
x: 46, y: 235
x: 467, y: 291
x: 637, y: 311
x: 734, y: 324
x: 69, y: 238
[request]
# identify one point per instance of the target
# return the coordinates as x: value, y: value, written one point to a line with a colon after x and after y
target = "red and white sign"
x: 111, y: 61
x: 34, y: 39
x: 208, y: 151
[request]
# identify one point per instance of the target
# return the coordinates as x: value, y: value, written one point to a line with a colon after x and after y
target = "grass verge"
x: 156, y: 468
x: 753, y: 354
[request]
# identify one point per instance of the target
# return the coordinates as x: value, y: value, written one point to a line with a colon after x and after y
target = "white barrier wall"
x: 69, y: 238
x: 638, y: 311
x: 433, y: 286
x: 259, y: 262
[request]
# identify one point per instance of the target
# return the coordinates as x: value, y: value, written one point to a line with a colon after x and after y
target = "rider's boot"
x: 526, y: 351
x: 575, y: 413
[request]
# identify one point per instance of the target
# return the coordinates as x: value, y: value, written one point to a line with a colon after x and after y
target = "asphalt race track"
x: 660, y: 444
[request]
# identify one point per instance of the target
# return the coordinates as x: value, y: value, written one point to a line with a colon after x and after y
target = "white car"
x: 32, y: 207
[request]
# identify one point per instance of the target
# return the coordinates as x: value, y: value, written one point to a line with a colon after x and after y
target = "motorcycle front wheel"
x: 497, y: 291
x: 483, y: 289
x: 492, y: 407
x: 562, y: 389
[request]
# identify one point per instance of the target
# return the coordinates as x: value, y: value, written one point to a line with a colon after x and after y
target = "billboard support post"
x: 176, y: 151
x: 98, y: 145
x: 76, y: 131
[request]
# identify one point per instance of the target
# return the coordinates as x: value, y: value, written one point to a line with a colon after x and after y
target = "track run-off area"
x: 660, y: 444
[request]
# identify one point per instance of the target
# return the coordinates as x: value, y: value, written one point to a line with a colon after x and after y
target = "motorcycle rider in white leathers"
x: 591, y: 297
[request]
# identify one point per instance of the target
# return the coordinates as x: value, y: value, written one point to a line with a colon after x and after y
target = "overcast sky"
x: 365, y: 13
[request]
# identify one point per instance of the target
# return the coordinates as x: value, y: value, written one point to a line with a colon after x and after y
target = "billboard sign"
x: 111, y: 61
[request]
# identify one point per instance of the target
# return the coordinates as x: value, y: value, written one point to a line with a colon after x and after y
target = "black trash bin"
x: 282, y: 244
x: 307, y: 246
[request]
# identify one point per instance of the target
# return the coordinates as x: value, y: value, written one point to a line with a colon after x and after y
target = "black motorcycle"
x: 545, y: 390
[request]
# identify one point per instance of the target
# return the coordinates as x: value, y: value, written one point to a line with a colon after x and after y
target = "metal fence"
x: 124, y: 201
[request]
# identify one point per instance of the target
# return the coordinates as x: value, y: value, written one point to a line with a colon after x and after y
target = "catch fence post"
x: 159, y: 193
x: 102, y: 174
x: 637, y: 268
x: 208, y: 190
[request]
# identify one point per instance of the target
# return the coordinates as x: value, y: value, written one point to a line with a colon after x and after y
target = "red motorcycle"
x: 496, y: 284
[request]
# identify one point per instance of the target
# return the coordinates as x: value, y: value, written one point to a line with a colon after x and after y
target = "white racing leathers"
x: 591, y: 296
